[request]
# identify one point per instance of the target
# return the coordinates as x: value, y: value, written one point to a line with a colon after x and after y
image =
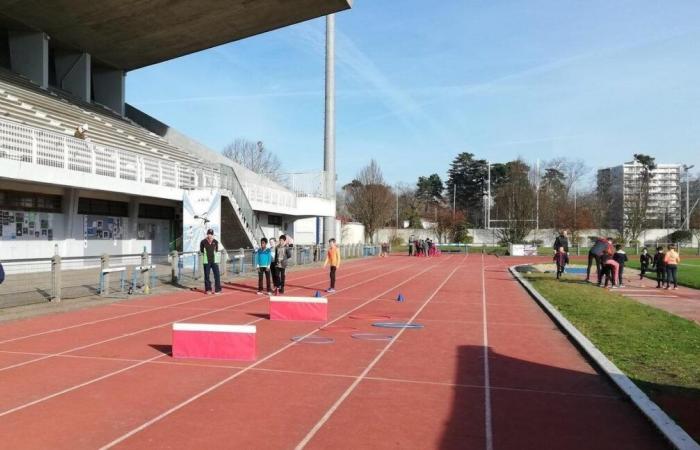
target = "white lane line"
x: 88, y: 382
x: 487, y: 374
x: 364, y: 373
x: 649, y: 295
x: 252, y: 366
x: 205, y: 313
x: 150, y: 309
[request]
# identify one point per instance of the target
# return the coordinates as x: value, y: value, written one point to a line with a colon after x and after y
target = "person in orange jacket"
x: 332, y: 258
x: 671, y: 260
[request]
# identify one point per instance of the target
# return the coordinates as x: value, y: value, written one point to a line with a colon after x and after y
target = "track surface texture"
x: 489, y: 370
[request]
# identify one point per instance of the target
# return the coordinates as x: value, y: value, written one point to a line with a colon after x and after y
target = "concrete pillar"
x: 104, y: 277
x: 133, y: 218
x: 73, y: 71
x: 108, y: 88
x: 329, y: 132
x: 174, y: 267
x: 56, y: 278
x: 29, y: 55
x: 69, y: 208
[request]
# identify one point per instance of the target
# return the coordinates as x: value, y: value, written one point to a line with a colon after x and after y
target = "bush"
x: 681, y: 236
x: 396, y: 241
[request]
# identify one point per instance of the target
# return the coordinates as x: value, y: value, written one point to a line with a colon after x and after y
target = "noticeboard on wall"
x: 26, y: 226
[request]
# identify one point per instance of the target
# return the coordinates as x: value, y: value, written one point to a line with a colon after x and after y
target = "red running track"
x: 488, y: 370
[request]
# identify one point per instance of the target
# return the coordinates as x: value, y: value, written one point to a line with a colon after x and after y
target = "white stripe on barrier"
x: 220, y: 328
x: 282, y: 299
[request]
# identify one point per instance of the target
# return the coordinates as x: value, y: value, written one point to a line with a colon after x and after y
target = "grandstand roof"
x: 128, y: 34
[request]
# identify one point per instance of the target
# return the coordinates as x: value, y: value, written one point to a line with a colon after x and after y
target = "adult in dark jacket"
x: 562, y: 241
x: 209, y: 252
x: 282, y: 255
x: 594, y: 254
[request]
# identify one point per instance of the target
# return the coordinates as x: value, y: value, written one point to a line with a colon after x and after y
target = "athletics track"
x: 489, y: 370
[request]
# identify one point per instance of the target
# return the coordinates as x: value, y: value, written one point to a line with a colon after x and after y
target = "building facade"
x: 619, y: 189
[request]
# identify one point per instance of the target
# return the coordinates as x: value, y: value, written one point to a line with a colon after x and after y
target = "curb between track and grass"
x: 676, y: 435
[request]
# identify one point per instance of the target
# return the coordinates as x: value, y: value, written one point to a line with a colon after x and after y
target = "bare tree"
x: 572, y: 169
x: 254, y: 156
x: 636, y: 202
x: 369, y: 199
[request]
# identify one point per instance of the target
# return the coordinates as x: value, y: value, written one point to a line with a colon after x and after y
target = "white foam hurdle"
x: 214, y: 341
x: 313, y: 309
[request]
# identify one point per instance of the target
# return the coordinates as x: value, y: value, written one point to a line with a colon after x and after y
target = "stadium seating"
x: 24, y: 102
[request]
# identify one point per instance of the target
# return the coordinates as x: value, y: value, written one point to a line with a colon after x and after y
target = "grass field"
x: 688, y: 271
x: 660, y: 352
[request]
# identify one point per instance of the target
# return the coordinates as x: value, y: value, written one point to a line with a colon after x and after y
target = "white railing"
x: 307, y: 184
x: 269, y: 195
x: 45, y: 148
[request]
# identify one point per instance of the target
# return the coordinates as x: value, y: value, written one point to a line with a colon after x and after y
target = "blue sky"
x: 418, y: 83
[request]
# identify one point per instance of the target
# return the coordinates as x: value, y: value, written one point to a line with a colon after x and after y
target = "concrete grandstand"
x: 63, y: 66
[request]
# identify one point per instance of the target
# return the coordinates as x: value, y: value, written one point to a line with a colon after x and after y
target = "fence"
x: 31, y: 281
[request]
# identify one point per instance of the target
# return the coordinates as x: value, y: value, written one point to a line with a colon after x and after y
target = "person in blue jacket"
x: 263, y: 259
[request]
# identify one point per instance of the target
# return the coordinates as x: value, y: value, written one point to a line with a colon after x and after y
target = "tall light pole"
x: 687, y: 194
x: 329, y: 131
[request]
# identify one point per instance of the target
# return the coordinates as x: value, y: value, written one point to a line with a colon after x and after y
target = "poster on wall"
x: 100, y: 227
x: 201, y: 210
x: 19, y: 225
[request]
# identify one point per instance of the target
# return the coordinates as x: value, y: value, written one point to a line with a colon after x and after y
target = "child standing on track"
x: 332, y: 259
x: 644, y: 262
x: 282, y: 255
x: 620, y: 258
x: 672, y: 259
x: 562, y: 259
x: 263, y: 259
x: 660, y: 267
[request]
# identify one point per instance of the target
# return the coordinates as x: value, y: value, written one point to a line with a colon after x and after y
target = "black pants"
x: 606, y: 272
x: 660, y: 276
x: 643, y: 271
x: 266, y: 272
x: 410, y: 249
x: 619, y: 274
x: 217, y: 277
x: 593, y: 257
x: 333, y: 269
x: 560, y: 270
x: 671, y: 274
x: 278, y: 278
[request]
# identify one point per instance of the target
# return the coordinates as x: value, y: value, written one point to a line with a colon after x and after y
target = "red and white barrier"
x: 313, y: 309
x: 214, y: 341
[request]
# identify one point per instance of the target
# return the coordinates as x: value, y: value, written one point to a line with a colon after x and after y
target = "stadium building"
x: 128, y: 181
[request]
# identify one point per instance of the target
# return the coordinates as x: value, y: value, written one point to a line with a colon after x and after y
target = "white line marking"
x: 649, y: 295
x: 110, y: 374
x: 241, y: 372
x: 487, y: 375
x: 156, y: 308
x: 364, y: 373
x: 143, y: 330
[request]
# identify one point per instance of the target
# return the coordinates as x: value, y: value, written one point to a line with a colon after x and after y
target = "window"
x: 274, y: 220
x: 99, y: 207
x: 147, y: 211
x: 30, y: 201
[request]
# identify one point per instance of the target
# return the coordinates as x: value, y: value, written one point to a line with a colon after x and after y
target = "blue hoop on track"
x: 397, y: 325
x: 313, y: 340
x: 372, y: 337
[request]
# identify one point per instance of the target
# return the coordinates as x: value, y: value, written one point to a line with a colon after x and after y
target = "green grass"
x: 688, y: 271
x: 659, y: 351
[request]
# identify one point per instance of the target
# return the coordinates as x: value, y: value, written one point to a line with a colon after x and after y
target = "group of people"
x: 422, y: 247
x: 664, y: 263
x: 270, y: 260
x: 610, y: 261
